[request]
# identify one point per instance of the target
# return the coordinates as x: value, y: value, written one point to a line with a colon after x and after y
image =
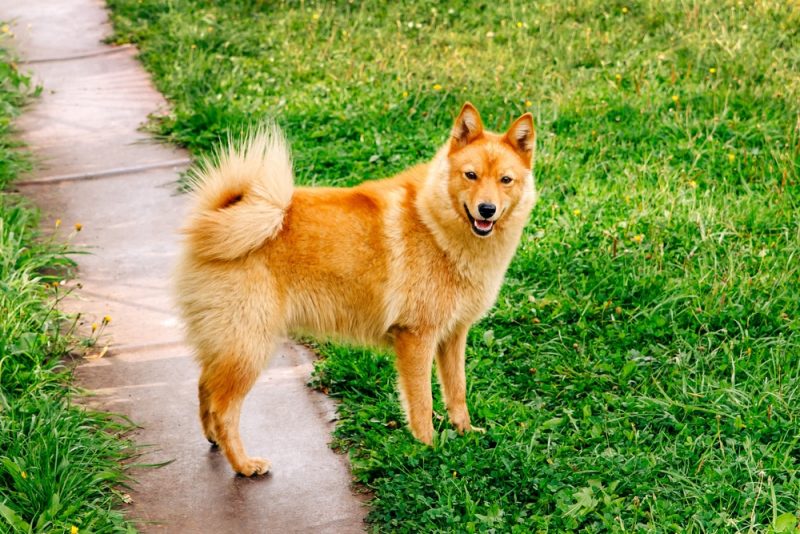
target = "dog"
x: 409, y: 262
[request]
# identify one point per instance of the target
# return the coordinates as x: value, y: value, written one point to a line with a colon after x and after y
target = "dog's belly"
x: 353, y: 313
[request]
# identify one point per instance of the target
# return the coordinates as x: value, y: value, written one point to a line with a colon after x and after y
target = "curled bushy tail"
x: 241, y: 196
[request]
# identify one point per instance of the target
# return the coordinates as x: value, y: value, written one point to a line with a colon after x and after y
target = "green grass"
x: 59, y: 464
x: 641, y: 370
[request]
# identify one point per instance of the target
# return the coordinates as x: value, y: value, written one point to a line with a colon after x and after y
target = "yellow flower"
x: 638, y: 238
x: 94, y: 327
x: 405, y: 94
x: 24, y: 474
x: 731, y: 157
x: 692, y: 184
x: 193, y: 46
x: 624, y: 9
x: 315, y: 16
x: 576, y: 212
x: 618, y: 77
x: 78, y: 227
x: 4, y: 29
x: 675, y: 98
x: 73, y: 530
x: 712, y: 70
x: 106, y: 319
x: 58, y: 223
x: 519, y: 25
x: 437, y: 87
x: 528, y: 103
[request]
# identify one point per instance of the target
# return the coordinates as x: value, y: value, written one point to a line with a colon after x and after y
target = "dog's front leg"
x: 415, y: 351
x: 450, y: 367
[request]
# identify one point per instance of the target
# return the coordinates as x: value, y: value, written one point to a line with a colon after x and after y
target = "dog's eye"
x: 506, y: 179
x: 471, y: 175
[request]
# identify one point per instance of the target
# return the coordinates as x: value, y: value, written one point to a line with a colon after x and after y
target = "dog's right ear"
x: 467, y: 128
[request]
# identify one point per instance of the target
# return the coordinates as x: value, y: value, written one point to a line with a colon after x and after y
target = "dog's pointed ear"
x: 467, y: 128
x: 522, y: 137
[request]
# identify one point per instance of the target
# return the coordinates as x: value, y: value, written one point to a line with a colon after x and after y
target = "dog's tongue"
x: 483, y: 225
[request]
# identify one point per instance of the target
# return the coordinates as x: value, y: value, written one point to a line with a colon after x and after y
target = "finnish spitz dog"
x: 410, y: 262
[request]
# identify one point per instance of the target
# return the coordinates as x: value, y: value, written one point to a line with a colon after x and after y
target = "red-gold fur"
x: 399, y: 262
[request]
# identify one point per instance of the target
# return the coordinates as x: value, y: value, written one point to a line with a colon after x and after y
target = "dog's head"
x: 489, y: 173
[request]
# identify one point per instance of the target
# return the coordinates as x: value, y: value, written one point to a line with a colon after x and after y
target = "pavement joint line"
x: 104, y: 52
x: 126, y: 302
x: 81, y: 176
x: 126, y: 348
x: 110, y: 390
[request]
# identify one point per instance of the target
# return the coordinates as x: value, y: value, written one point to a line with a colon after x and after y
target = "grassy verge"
x: 641, y: 370
x: 59, y: 464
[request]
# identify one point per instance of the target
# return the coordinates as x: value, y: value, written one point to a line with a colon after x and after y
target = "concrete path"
x: 96, y: 168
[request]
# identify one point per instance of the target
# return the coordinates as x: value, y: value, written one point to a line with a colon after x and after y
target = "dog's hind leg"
x: 414, y: 362
x: 205, y: 409
x: 450, y: 367
x: 224, y: 383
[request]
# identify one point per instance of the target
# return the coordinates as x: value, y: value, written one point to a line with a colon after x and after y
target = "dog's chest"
x: 443, y: 297
x: 476, y: 296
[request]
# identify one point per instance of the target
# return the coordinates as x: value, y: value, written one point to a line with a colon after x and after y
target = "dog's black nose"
x: 486, y: 210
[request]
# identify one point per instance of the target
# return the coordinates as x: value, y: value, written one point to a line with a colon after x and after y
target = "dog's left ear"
x: 522, y: 137
x: 467, y: 128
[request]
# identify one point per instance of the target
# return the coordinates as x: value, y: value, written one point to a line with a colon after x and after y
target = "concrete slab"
x: 100, y: 171
x: 42, y: 32
x: 129, y: 223
x: 90, y: 119
x: 129, y: 233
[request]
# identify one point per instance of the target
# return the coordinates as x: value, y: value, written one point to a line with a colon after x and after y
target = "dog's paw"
x: 254, y: 466
x: 424, y: 434
x: 460, y: 420
x: 465, y: 426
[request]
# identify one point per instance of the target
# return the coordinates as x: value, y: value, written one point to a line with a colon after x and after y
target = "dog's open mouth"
x: 481, y: 227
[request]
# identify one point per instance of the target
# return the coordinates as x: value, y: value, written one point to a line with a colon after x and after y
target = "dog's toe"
x: 254, y: 467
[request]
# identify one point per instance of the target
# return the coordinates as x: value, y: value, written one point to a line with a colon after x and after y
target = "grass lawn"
x: 641, y: 370
x: 59, y: 464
